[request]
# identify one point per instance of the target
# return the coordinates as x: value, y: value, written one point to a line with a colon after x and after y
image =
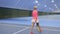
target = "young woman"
x: 35, y: 20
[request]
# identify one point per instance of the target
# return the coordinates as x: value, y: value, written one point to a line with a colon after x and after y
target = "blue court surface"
x: 50, y: 24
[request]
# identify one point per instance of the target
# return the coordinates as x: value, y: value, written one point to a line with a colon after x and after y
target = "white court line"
x: 12, y: 25
x: 27, y: 27
x: 34, y: 28
x: 21, y: 30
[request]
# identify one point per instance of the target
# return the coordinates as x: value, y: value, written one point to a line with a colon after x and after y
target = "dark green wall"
x: 10, y: 12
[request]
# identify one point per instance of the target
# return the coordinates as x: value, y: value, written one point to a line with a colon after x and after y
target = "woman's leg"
x: 38, y: 26
x: 32, y: 26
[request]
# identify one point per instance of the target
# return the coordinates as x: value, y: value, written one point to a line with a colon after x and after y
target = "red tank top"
x: 35, y: 14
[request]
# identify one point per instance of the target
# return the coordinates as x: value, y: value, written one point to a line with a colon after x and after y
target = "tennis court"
x: 22, y: 25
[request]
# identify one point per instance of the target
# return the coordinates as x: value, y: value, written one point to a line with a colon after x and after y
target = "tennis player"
x: 35, y: 20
